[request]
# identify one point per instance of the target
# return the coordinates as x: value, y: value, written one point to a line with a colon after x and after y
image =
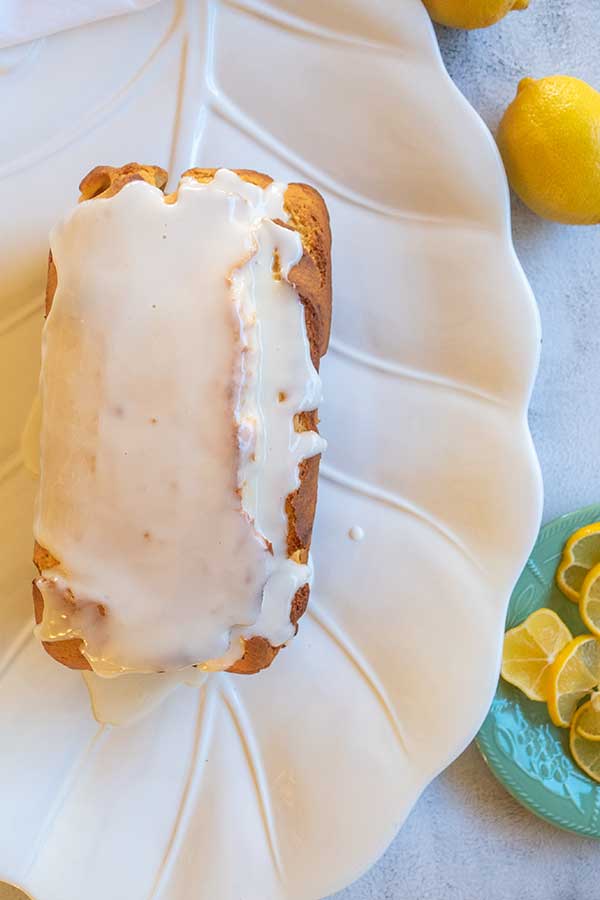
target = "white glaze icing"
x: 127, y: 699
x: 147, y: 365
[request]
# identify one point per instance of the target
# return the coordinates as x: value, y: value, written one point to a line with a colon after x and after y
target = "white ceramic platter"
x: 286, y: 785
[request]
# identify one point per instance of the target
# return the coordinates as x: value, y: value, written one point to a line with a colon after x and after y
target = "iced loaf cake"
x: 179, y: 441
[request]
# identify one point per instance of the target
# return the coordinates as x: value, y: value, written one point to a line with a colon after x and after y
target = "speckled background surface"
x: 467, y: 839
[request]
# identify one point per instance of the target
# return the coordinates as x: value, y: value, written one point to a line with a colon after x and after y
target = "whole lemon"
x: 549, y: 138
x: 471, y: 13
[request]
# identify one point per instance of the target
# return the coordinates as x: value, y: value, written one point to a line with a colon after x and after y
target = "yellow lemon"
x: 585, y: 750
x: 589, y: 600
x: 573, y: 674
x: 549, y: 138
x: 530, y: 649
x: 471, y: 13
x: 581, y: 553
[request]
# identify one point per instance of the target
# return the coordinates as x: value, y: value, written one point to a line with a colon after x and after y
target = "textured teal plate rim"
x: 525, y: 751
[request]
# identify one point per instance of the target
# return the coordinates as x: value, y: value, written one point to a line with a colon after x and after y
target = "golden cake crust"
x: 311, y: 277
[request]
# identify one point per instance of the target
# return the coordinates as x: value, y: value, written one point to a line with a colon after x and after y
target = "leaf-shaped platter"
x: 285, y: 785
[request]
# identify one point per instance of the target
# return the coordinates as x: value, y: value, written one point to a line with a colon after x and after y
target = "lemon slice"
x: 589, y: 600
x: 581, y: 553
x: 530, y: 649
x: 588, y: 718
x: 586, y: 751
x: 573, y: 674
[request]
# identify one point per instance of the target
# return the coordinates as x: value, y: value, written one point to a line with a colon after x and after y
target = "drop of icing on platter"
x: 356, y: 533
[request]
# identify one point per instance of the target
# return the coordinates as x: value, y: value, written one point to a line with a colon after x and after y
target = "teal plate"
x: 524, y: 750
